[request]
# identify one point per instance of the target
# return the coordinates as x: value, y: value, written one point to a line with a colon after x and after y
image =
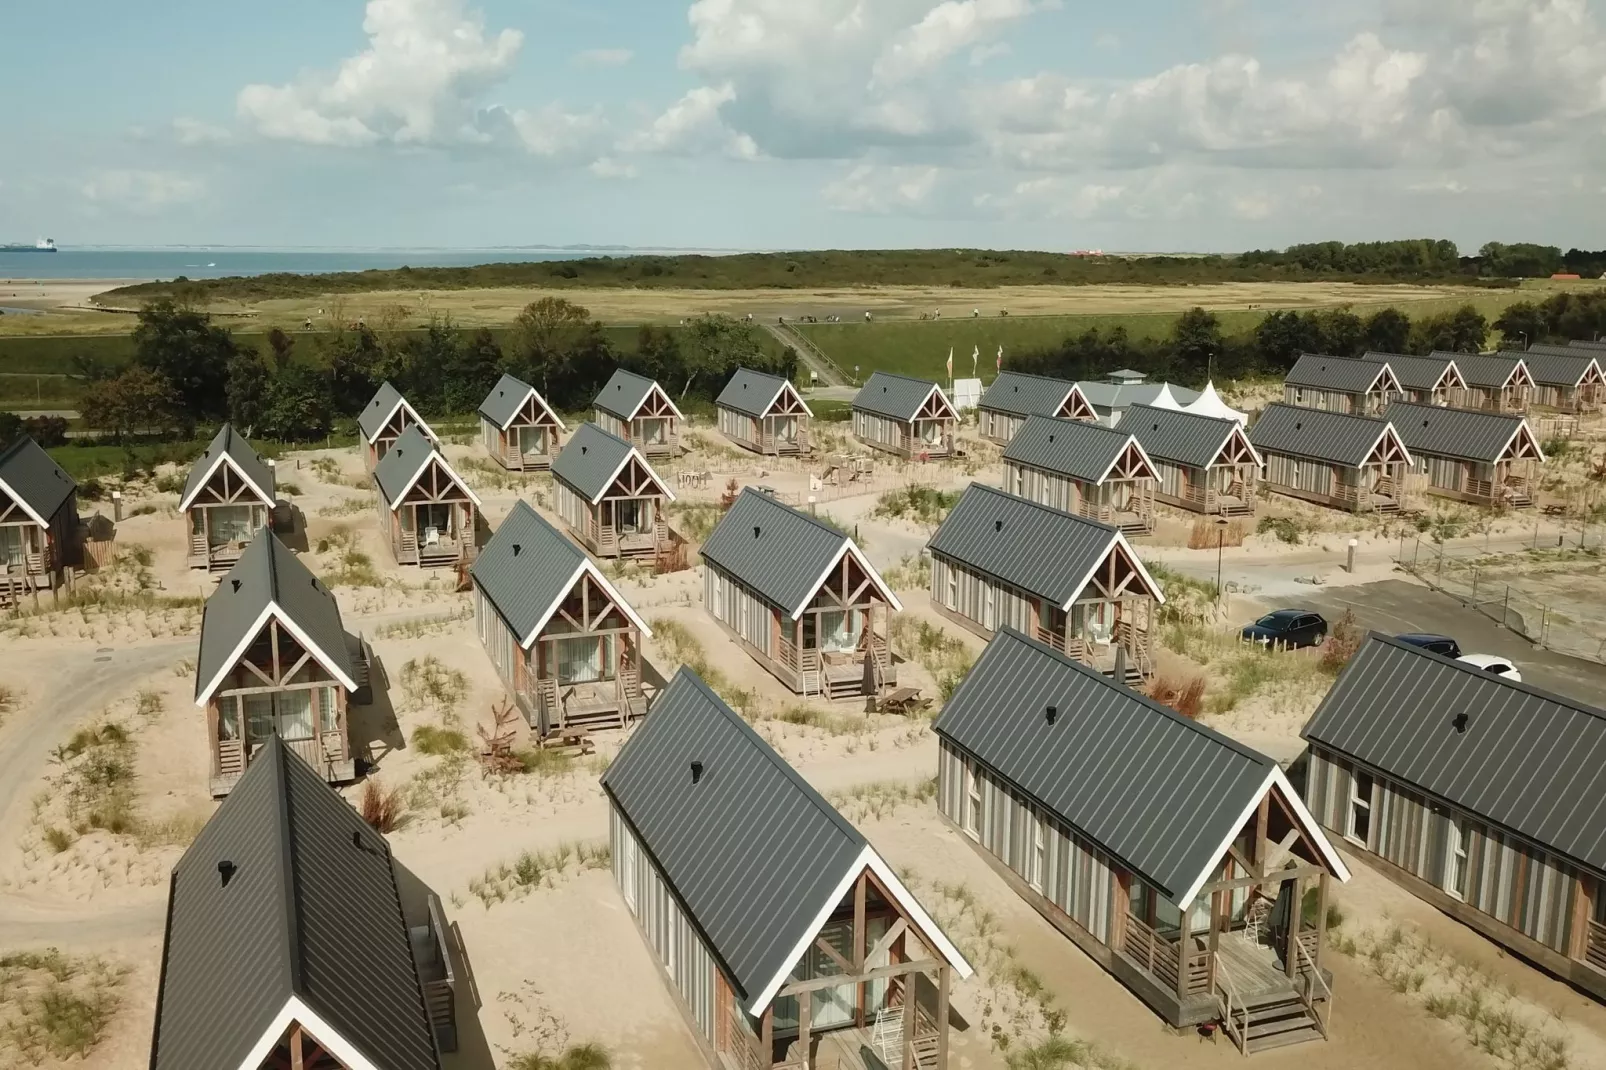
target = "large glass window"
x: 633, y: 515
x: 435, y: 522
x: 585, y: 659
x: 1360, y: 808
x: 328, y: 711
x: 12, y: 542
x: 1037, y: 861
x: 655, y: 432
x: 840, y: 630
x: 287, y: 714
x: 834, y: 1007
x: 532, y: 439
x: 230, y: 523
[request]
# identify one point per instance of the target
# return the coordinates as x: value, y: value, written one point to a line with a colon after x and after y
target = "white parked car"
x: 1493, y: 664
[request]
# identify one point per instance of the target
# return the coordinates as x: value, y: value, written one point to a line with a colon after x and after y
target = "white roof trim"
x: 1076, y: 392
x: 869, y: 570
x: 638, y: 455
x: 1241, y: 431
x: 413, y: 480
x: 14, y: 496
x: 296, y: 1012
x: 1274, y: 778
x: 656, y: 385
x: 401, y: 403
x: 272, y: 609
x: 586, y: 567
x: 926, y: 928
x: 1388, y: 430
x: 1118, y: 541
x: 936, y: 388
x: 211, y: 471
x: 787, y: 387
x: 1523, y: 428
x: 532, y: 392
x: 1132, y: 440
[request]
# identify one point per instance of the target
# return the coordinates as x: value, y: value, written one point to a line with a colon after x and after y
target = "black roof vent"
x: 226, y: 871
x: 235, y: 584
x: 1459, y: 722
x: 998, y: 525
x: 516, y: 549
x: 356, y: 838
x: 1051, y: 438
x: 1051, y: 714
x: 583, y: 449
x: 755, y: 531
x: 1298, y: 424
x: 696, y: 772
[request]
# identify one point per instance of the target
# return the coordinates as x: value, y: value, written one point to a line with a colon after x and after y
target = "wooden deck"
x: 1257, y: 970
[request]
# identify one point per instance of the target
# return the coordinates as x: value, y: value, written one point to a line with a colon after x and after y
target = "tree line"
x: 1430, y: 258
x: 188, y: 372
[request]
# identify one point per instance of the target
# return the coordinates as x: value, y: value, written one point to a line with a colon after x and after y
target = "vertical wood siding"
x: 1001, y: 425
x: 1311, y: 398
x: 1011, y: 607
x: 570, y: 506
x: 1047, y: 488
x: 613, y: 425
x: 1173, y: 479
x: 495, y: 636
x: 738, y: 608
x: 739, y: 426
x: 880, y: 429
x: 1312, y: 476
x: 1076, y: 876
x: 669, y: 933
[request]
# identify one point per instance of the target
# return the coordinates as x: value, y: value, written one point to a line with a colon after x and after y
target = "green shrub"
x: 432, y: 740
x: 1285, y: 528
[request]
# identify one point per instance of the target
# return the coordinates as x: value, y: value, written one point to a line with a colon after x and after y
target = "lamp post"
x: 1221, y: 537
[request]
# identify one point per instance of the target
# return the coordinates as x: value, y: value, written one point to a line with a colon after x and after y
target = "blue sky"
x: 1147, y: 125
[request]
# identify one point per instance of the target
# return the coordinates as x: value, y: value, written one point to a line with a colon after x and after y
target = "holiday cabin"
x: 787, y: 940
x: 1425, y: 380
x: 800, y: 598
x: 1485, y: 458
x: 426, y: 512
x: 1088, y: 469
x: 291, y: 944
x: 1483, y: 796
x: 1567, y: 378
x: 276, y: 662
x: 383, y: 420
x: 637, y: 409
x: 518, y: 428
x: 38, y: 521
x: 1206, y: 463
x: 904, y: 416
x: 1015, y: 397
x: 1180, y: 860
x: 1334, y: 384
x: 610, y: 497
x: 227, y: 499
x: 1000, y: 561
x: 1496, y: 382
x: 1336, y: 459
x: 764, y: 413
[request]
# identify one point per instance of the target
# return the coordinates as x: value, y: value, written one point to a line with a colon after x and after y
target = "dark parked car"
x: 1439, y: 644
x: 1288, y: 627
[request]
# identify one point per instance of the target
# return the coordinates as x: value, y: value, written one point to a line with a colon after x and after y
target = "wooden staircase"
x: 1279, y: 1024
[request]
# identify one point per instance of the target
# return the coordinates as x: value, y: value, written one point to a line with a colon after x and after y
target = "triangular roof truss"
x: 656, y: 403
x: 273, y: 617
x: 1294, y: 840
x: 225, y: 483
x: 435, y: 481
x: 1131, y: 463
x: 1076, y: 406
x: 598, y: 599
x: 402, y: 415
x: 1236, y: 449
x: 635, y: 478
x: 936, y: 406
x: 853, y: 575
x: 1119, y: 573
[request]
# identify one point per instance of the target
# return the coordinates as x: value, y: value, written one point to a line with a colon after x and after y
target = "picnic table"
x: 1555, y: 509
x: 903, y: 700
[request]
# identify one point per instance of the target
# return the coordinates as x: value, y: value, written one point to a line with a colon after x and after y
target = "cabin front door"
x: 532, y: 440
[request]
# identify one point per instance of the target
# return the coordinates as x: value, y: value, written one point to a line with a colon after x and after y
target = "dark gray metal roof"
x: 895, y: 396
x: 507, y: 397
x: 1461, y: 433
x: 751, y: 851
x: 1585, y: 343
x: 1074, y: 448
x: 1528, y: 760
x: 229, y: 443
x: 1120, y: 396
x: 267, y: 573
x: 378, y: 411
x: 624, y: 393
x: 526, y: 567
x: 1557, y: 365
x: 1336, y: 373
x: 311, y: 911
x: 589, y: 460
x: 751, y: 393
x: 1182, y: 438
x: 1483, y: 369
x: 779, y: 552
x: 1414, y: 373
x: 1156, y: 790
x: 402, y: 462
x: 1334, y: 437
x: 1042, y: 550
x: 1026, y: 395
x: 37, y: 481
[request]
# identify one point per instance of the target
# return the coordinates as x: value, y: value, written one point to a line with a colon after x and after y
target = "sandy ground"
x: 105, y: 893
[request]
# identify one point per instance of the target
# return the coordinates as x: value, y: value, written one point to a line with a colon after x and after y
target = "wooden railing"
x: 1595, y: 945
x: 1161, y: 958
x: 1480, y: 488
x: 1234, y: 1014
x: 1314, y: 990
x: 230, y: 757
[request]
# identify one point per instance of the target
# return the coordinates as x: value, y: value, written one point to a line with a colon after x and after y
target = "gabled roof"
x: 754, y: 393
x: 1341, y: 438
x: 406, y: 460
x: 593, y: 458
x: 897, y: 397
x: 308, y: 928
x: 1020, y: 394
x: 1043, y: 551
x: 1525, y: 759
x: 751, y: 851
x: 269, y: 581
x: 528, y: 568
x: 507, y: 399
x: 626, y: 392
x: 377, y: 413
x: 33, y: 480
x: 1159, y: 792
x: 1557, y: 365
x: 1585, y: 343
x: 1072, y: 448
x: 1487, y: 370
x: 1182, y: 438
x: 1315, y: 371
x: 230, y: 448
x: 1462, y: 433
x: 1419, y: 373
x: 1118, y: 396
x: 781, y: 553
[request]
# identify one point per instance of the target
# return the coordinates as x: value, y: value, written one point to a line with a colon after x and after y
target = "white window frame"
x: 627, y: 871
x: 1455, y: 857
x: 1020, y: 480
x: 971, y: 819
x: 1356, y: 803
x: 951, y: 595
x: 1037, y: 856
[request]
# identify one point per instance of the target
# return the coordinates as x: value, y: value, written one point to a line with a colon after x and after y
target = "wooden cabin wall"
x: 881, y: 429
x: 1012, y: 607
x: 1316, y: 477
x: 1077, y: 878
x: 740, y: 426
x: 1001, y: 427
x: 575, y: 510
x: 612, y: 424
x: 668, y: 932
x: 738, y: 608
x: 499, y: 641
x: 1047, y: 488
x: 1173, y: 479
x: 490, y: 436
x: 1515, y: 882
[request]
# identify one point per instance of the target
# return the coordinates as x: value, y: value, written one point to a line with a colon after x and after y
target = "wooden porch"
x: 809, y: 657
x: 515, y: 449
x: 655, y: 434
x: 28, y: 561
x: 583, y: 672
x: 1124, y: 504
x: 436, y: 973
x: 435, y: 525
x: 1221, y: 490
x: 1129, y: 644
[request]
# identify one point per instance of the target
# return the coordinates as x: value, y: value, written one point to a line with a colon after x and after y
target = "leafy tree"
x: 10, y: 428
x: 476, y: 365
x: 1521, y: 260
x: 1282, y: 336
x: 1196, y: 340
x: 298, y: 405
x: 352, y: 358
x: 1522, y: 324
x: 1461, y: 331
x: 717, y: 347
x: 248, y: 388
x: 183, y: 347
x: 547, y: 336
x: 46, y: 430
x: 1339, y: 332
x: 1388, y: 330
x: 137, y: 400
x: 281, y: 345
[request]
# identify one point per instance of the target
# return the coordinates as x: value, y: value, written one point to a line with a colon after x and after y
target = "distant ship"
x: 43, y: 245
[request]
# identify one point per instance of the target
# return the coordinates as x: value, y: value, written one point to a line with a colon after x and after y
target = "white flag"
x: 1000, y: 366
x: 950, y: 362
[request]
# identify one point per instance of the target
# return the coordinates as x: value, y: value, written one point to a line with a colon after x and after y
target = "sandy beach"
x: 55, y: 293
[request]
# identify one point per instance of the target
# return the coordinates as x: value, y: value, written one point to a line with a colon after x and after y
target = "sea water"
x: 216, y: 263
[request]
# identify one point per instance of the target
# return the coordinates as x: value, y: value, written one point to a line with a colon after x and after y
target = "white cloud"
x: 982, y: 53
x: 196, y: 132
x: 946, y: 29
x: 692, y: 125
x: 604, y: 57
x: 1254, y: 206
x: 1437, y: 185
x: 608, y: 167
x: 872, y: 189
x: 140, y: 191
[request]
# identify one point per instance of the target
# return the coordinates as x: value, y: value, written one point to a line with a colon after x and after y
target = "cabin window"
x: 931, y: 432
x: 972, y: 802
x: 287, y: 714
x: 1036, y: 863
x: 585, y: 659
x: 228, y: 717
x: 1020, y: 481
x: 988, y: 612
x: 1360, y: 809
x: 230, y: 523
x: 840, y: 630
x: 627, y: 869
x: 786, y: 429
x: 12, y: 545
x: 435, y: 522
x: 532, y: 440
x: 836, y: 1006
x: 1455, y: 857
x: 655, y: 432
x: 633, y: 515
x: 951, y: 590
x: 328, y: 711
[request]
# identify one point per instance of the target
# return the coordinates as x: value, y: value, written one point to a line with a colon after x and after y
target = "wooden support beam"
x: 944, y: 981
x: 1295, y: 918
x: 909, y: 1020
x: 1274, y: 877
x: 1321, y: 917
x: 766, y: 1037
x: 880, y: 973
x: 888, y: 937
x: 860, y: 938
x: 296, y: 1059
x: 805, y: 1003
